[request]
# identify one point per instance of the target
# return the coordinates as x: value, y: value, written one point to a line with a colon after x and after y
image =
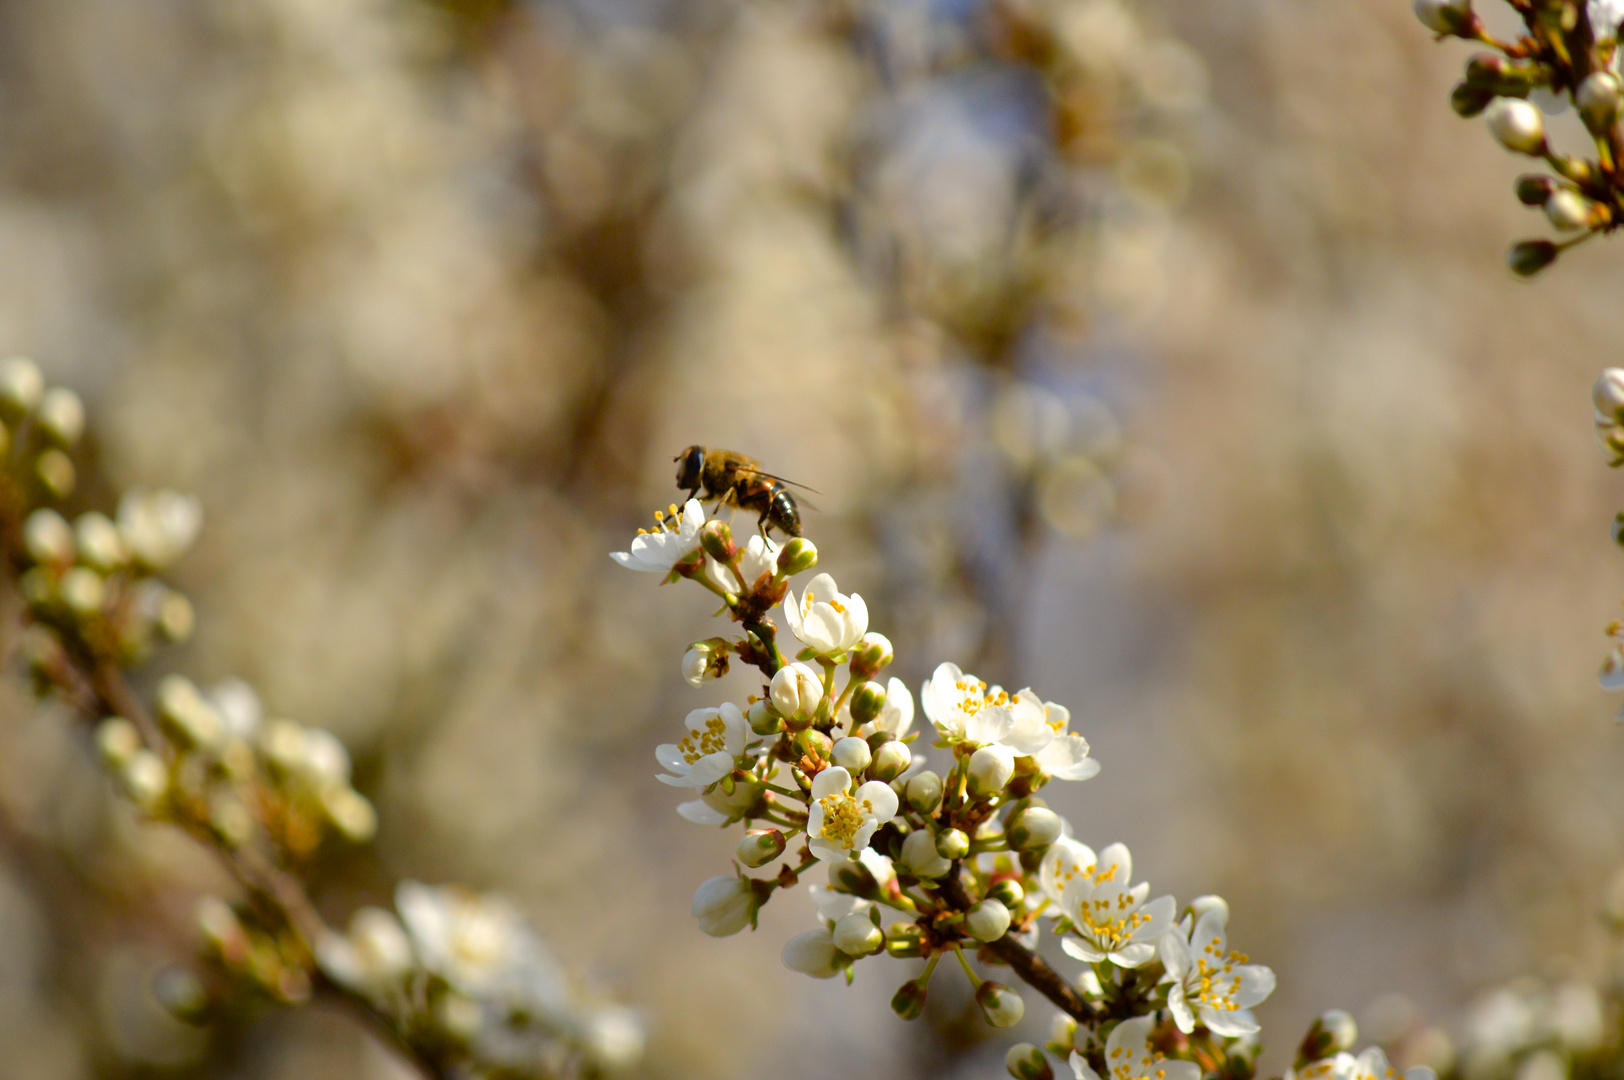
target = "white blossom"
x: 674, y: 538
x: 896, y: 715
x: 825, y: 619
x: 1129, y: 1056
x: 1210, y: 983
x: 838, y: 821
x: 966, y: 710
x: 715, y: 739
x: 372, y: 957
x: 157, y: 527
x: 1369, y: 1065
x: 1605, y: 15
x: 1111, y: 920
x: 482, y: 947
x: 723, y: 905
x: 813, y: 953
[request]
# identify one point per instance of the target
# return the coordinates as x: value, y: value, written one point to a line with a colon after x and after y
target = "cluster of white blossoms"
x: 967, y: 860
x: 464, y: 985
x: 1608, y: 398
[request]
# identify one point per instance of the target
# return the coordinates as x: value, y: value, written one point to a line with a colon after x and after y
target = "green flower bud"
x: 1531, y: 256
x: 866, y: 702
x: 1002, y: 1006
x: 1468, y: 101
x: 909, y: 1000
x: 952, y: 844
x: 871, y: 655
x: 1533, y: 189
x: 814, y: 744
x: 1026, y: 1062
x: 55, y: 472
x: 903, y: 940
x: 924, y: 792
x: 21, y: 385
x: 763, y: 721
x: 61, y: 416
x: 759, y: 847
x: 890, y: 761
x: 717, y: 540
x: 797, y: 555
x: 1007, y: 891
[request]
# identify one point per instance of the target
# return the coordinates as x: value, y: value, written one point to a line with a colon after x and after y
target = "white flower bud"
x: 1024, y: 1061
x: 758, y: 847
x: 55, y: 471
x: 1517, y: 124
x: 99, y: 543
x: 187, y: 712
x: 48, y: 538
x: 283, y: 743
x: 159, y: 526
x: 381, y: 945
x: 1608, y: 394
x: 117, y: 740
x: 695, y: 664
x: 1034, y: 827
x: 795, y: 688
x: 920, y: 857
x: 1340, y: 1027
x: 891, y: 760
x: 146, y: 779
x: 325, y: 760
x: 21, y: 384
x: 1203, y: 904
x: 82, y: 590
x: 987, y: 921
x: 174, y: 618
x: 990, y: 769
x: 61, y: 416
x: 1598, y: 100
x: 852, y: 754
x: 1001, y: 1006
x: 614, y: 1039
x: 351, y: 813
x: 220, y: 926
x: 952, y: 844
x: 723, y: 905
x: 856, y: 935
x: 813, y: 953
x: 1568, y: 210
x: 1441, y: 16
x: 924, y: 791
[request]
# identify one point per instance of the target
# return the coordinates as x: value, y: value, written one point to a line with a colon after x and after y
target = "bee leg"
x: 761, y: 523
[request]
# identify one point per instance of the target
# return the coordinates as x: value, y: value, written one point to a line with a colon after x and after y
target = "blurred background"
x: 1159, y: 355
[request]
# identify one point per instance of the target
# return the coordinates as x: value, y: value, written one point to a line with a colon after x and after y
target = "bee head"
x: 690, y: 465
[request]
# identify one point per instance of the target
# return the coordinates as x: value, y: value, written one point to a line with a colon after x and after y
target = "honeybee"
x: 733, y: 479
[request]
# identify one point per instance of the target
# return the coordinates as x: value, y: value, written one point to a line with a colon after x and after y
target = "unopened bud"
x: 1568, y: 210
x: 909, y: 1000
x: 1034, y: 827
x: 866, y: 702
x: 813, y: 953
x: 351, y: 813
x: 1331, y: 1032
x: 48, y: 538
x: 146, y: 779
x: 1007, y: 891
x: 230, y: 819
x: 903, y: 940
x: 763, y: 720
x: 952, y: 844
x: 856, y: 935
x: 920, y: 857
x: 1534, y: 188
x: 187, y: 712
x: 1608, y: 393
x: 1468, y: 100
x: 795, y: 688
x: 56, y: 473
x: 797, y: 555
x: 723, y: 905
x: 851, y: 754
x: 1517, y: 124
x: 99, y: 543
x: 181, y: 993
x: 1529, y: 257
x: 21, y: 385
x: 703, y: 662
x: 117, y: 740
x: 1001, y: 1006
x: 925, y: 791
x: 61, y: 416
x: 758, y: 847
x: 174, y: 618
x: 82, y: 590
x: 814, y: 744
x: 1026, y: 1062
x: 990, y: 769
x: 871, y: 655
x: 717, y: 540
x: 1618, y: 528
x: 1443, y: 16
x: 890, y: 761
x: 1598, y: 100
x: 987, y: 921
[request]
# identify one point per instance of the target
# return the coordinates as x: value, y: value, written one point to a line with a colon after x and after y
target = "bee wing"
x: 783, y: 480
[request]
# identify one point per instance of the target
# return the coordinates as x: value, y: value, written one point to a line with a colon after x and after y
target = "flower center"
x: 477, y: 939
x: 1213, y: 983
x: 712, y: 739
x: 843, y: 816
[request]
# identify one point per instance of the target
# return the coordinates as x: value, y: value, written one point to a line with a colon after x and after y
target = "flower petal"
x: 1081, y: 950
x: 881, y: 798
x: 830, y: 781
x: 701, y: 812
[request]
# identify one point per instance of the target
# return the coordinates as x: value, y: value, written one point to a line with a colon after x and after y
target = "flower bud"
x: 952, y: 844
x: 1201, y: 905
x: 1033, y: 827
x: 21, y: 385
x: 351, y: 813
x: 717, y: 540
x: 851, y: 754
x: 1443, y: 16
x: 758, y: 847
x: 795, y: 688
x: 903, y: 940
x: 146, y: 779
x: 703, y: 662
x: 187, y: 712
x: 724, y: 905
x: 61, y: 416
x: 909, y: 1000
x: 1026, y: 1062
x: 924, y: 791
x: 866, y: 702
x: 48, y: 538
x: 1568, y: 210
x: 813, y: 953
x: 1007, y: 891
x: 1517, y: 124
x: 990, y: 769
x: 174, y: 618
x: 158, y: 527
x: 181, y: 993
x: 230, y: 819
x: 1331, y: 1032
x: 890, y: 761
x: 1468, y: 100
x: 1529, y: 257
x: 920, y: 857
x: 1001, y: 1006
x: 1618, y: 528
x: 1598, y: 100
x: 856, y: 935
x: 814, y: 744
x: 99, y: 544
x: 380, y: 947
x: 871, y: 655
x: 117, y: 740
x: 82, y: 590
x: 1533, y: 189
x: 797, y: 555
x: 763, y: 720
x: 1608, y: 393
x: 987, y: 921
x: 55, y: 472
